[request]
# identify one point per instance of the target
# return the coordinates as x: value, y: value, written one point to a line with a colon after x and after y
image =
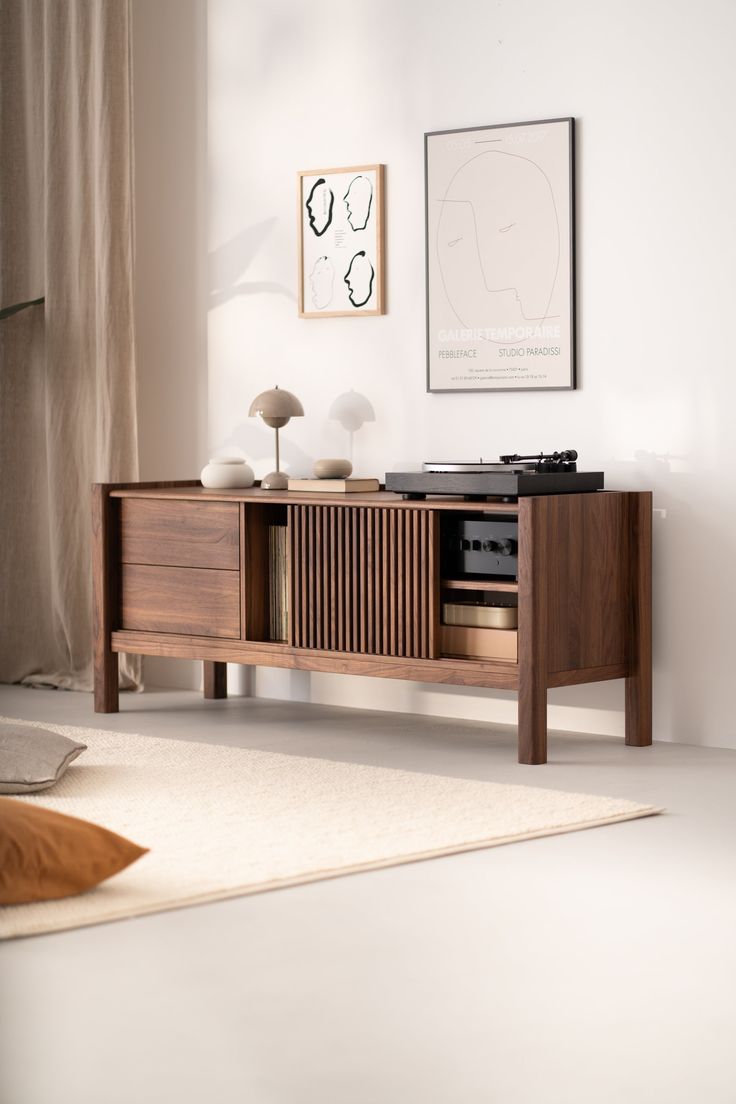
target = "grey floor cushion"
x: 33, y: 758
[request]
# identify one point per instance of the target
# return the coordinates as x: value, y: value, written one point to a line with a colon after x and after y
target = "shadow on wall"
x: 229, y: 263
x: 227, y: 266
x: 350, y: 410
x: 256, y: 442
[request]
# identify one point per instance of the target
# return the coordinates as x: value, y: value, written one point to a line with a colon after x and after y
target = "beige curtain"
x: 67, y: 376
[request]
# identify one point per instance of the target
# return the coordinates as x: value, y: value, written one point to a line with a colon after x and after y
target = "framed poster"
x: 500, y: 241
x: 341, y: 242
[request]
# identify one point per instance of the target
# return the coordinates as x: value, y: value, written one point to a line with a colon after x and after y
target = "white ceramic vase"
x: 225, y: 472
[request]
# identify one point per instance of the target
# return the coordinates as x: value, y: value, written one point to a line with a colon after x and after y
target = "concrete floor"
x: 593, y: 967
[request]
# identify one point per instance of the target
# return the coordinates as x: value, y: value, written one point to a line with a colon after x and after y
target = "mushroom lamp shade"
x: 276, y: 407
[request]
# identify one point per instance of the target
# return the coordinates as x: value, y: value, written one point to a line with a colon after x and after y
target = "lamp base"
x: 275, y: 481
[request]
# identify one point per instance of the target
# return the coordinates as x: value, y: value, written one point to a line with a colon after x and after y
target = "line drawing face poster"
x: 340, y: 242
x: 500, y: 257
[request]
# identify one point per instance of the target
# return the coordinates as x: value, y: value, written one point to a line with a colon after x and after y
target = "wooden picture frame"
x: 500, y: 257
x: 340, y: 232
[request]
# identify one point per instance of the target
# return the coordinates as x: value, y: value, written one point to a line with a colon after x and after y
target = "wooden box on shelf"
x: 472, y: 642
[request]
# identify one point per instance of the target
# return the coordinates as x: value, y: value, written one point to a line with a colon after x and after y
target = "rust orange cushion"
x: 46, y: 855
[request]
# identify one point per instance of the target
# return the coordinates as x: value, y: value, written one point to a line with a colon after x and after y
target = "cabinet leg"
x: 639, y: 683
x: 106, y: 680
x: 639, y: 710
x: 105, y: 555
x: 532, y: 722
x: 215, y: 679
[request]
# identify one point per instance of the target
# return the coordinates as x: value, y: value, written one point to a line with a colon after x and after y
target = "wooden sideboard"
x: 186, y: 572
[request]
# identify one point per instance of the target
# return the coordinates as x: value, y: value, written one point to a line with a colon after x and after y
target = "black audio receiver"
x: 476, y: 545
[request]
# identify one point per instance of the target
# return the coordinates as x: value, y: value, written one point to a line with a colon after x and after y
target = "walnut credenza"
x: 185, y: 572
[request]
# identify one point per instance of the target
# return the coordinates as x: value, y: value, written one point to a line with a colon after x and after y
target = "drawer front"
x: 186, y: 600
x: 180, y: 534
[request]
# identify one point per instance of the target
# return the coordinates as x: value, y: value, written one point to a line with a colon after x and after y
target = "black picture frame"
x: 513, y: 217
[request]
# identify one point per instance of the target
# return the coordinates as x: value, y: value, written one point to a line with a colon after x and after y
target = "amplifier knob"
x: 506, y: 547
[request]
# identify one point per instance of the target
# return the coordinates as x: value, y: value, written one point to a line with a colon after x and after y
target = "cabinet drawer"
x: 461, y: 640
x: 187, y: 600
x: 180, y: 534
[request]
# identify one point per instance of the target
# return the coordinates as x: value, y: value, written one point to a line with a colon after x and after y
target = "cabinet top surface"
x: 199, y: 493
x: 194, y: 491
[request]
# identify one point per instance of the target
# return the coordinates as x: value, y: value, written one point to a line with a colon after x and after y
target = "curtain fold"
x: 67, y: 378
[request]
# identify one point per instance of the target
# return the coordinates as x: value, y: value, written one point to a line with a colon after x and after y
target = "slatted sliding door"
x: 363, y: 579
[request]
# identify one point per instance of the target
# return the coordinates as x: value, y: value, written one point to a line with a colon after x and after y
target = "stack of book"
x: 278, y: 569
x: 334, y: 486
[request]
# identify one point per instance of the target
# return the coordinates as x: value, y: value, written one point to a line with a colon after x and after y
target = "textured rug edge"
x: 323, y: 875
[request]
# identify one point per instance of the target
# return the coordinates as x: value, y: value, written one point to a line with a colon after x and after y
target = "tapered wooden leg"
x: 104, y: 590
x: 639, y: 682
x: 106, y: 682
x: 639, y: 710
x: 532, y: 720
x: 215, y: 679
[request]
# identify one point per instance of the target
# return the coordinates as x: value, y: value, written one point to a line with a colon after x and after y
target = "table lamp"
x: 276, y: 407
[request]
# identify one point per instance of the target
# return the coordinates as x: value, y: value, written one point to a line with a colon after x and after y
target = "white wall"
x: 294, y: 86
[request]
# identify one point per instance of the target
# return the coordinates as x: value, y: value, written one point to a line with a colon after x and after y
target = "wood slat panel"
x: 423, y: 585
x: 310, y: 588
x: 433, y: 575
x: 392, y: 648
x: 400, y: 592
x: 191, y: 600
x: 332, y: 572
x: 295, y: 618
x: 344, y: 599
x: 303, y: 577
x: 180, y: 534
x: 362, y: 583
x: 370, y: 570
x: 416, y: 611
x: 361, y: 580
x: 317, y: 516
x: 355, y: 580
x: 385, y: 588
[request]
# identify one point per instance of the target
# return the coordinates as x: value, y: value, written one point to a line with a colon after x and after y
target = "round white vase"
x: 226, y: 472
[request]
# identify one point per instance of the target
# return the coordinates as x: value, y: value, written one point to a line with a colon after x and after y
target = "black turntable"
x: 515, y: 476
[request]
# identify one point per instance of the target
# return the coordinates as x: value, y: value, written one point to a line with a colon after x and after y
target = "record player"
x: 514, y: 476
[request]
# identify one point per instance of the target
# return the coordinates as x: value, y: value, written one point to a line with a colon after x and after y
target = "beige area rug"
x: 225, y: 821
